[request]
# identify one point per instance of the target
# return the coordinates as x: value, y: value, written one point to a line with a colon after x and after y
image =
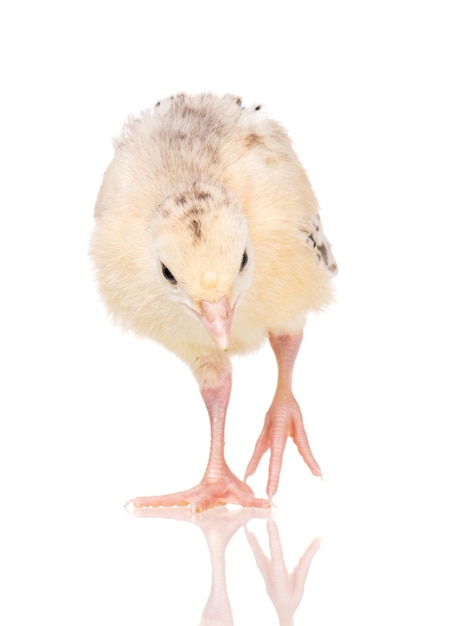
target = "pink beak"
x: 217, y: 318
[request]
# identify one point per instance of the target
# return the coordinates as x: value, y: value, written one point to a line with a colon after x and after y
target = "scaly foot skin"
x: 219, y: 485
x: 226, y: 489
x: 284, y: 418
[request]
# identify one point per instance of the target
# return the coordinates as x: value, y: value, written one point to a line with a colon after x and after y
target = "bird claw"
x: 283, y: 420
x: 208, y: 494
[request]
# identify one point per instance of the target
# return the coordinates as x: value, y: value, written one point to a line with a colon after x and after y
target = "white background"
x: 377, y: 98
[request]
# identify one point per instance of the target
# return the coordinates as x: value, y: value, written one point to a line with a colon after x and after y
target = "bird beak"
x: 217, y: 318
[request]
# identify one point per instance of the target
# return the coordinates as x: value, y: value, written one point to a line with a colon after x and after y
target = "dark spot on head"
x: 252, y: 140
x: 258, y: 107
x: 202, y: 195
x: 158, y: 104
x: 193, y: 211
x: 196, y: 227
x: 181, y: 199
x: 312, y: 239
x: 239, y: 101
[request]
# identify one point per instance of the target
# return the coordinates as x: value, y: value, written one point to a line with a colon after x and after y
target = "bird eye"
x: 243, y: 261
x: 168, y: 274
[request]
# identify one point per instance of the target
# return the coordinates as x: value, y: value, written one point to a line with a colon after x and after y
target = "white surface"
x: 378, y: 101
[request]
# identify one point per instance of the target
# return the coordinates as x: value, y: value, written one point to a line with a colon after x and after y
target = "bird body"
x: 208, y: 237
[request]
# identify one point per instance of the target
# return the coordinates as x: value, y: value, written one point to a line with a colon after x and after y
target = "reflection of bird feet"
x: 283, y: 420
x: 226, y: 489
x: 284, y: 589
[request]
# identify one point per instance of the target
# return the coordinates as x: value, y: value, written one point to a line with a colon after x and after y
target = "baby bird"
x: 208, y: 240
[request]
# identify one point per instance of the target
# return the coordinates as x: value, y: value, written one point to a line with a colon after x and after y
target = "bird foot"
x: 211, y: 492
x: 283, y: 420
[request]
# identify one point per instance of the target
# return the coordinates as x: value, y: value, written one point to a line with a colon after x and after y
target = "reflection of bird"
x: 218, y: 526
x: 208, y: 240
x: 284, y: 589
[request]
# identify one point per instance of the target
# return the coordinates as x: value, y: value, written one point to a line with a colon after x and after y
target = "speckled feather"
x: 195, y: 180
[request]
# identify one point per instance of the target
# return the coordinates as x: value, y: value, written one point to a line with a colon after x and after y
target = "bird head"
x: 203, y: 253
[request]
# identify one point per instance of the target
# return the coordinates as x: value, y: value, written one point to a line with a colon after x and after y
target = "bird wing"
x: 316, y: 239
x: 277, y: 165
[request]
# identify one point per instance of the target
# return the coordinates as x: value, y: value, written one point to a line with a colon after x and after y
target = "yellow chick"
x: 208, y: 240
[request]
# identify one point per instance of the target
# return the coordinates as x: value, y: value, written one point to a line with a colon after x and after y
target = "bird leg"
x: 219, y: 485
x: 284, y: 418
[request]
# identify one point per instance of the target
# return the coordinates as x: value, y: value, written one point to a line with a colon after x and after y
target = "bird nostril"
x: 207, y: 310
x: 212, y: 310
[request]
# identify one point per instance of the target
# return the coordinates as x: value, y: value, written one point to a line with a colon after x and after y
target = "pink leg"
x: 219, y: 485
x: 284, y: 418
